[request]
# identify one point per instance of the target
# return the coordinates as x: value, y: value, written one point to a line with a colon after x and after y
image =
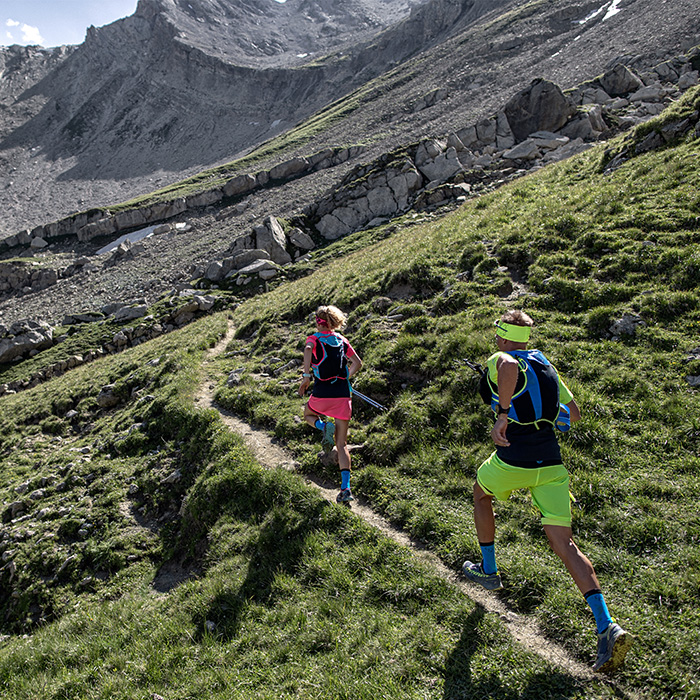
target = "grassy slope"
x: 591, y: 248
x: 306, y: 600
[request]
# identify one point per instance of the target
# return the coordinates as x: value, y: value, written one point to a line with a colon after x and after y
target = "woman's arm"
x: 354, y: 365
x: 305, y: 381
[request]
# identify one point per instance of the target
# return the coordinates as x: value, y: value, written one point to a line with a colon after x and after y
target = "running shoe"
x: 328, y: 439
x: 475, y: 573
x: 613, y: 645
x: 345, y: 496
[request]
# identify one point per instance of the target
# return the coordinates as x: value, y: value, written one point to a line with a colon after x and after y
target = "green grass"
x: 590, y: 248
x: 289, y: 596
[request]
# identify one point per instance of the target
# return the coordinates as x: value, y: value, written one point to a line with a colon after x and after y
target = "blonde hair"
x: 516, y: 317
x: 333, y: 315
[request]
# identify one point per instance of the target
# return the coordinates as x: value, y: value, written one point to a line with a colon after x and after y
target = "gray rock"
x: 129, y: 313
x: 107, y: 398
x: 620, y: 81
x: 527, y: 150
x: 215, y: 271
x: 25, y: 338
x: 332, y: 228
x: 540, y: 106
x: 650, y: 93
x: 595, y: 116
x: 688, y: 80
x: 504, y: 135
x: 486, y: 131
x: 103, y: 227
x: 301, y: 240
x: 627, y: 325
x: 270, y: 237
x: 440, y: 169
x: 241, y: 184
x: 548, y: 141
x: 579, y: 128
x: 38, y: 243
x: 290, y: 168
x: 204, y: 199
x: 381, y: 202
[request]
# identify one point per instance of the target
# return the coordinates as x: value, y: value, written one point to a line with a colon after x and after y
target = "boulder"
x: 381, y: 201
x: 595, y: 116
x: 239, y: 185
x: 620, y: 81
x: 688, y: 80
x: 331, y: 227
x: 540, y: 106
x: 428, y: 150
x: 504, y: 134
x: 204, y: 199
x: 486, y: 132
x: 270, y: 237
x: 129, y: 313
x: 290, y: 168
x: 107, y: 398
x: 24, y: 338
x: 442, y: 168
x: 103, y: 227
x: 548, y: 141
x: 301, y: 240
x: 650, y: 93
x: 259, y: 267
x: 527, y: 150
x: 38, y: 243
x: 579, y: 128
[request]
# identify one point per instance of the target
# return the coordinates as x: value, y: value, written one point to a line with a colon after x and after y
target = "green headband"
x: 509, y: 331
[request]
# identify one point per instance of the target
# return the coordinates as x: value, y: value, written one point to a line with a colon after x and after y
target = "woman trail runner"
x: 331, y: 360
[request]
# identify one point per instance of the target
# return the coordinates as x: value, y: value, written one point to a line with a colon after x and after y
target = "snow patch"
x: 612, y: 9
x: 132, y: 237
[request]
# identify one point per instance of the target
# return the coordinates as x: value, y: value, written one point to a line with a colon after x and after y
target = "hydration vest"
x: 536, y: 395
x: 329, y: 361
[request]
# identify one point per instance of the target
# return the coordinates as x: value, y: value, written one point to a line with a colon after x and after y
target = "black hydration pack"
x: 329, y: 360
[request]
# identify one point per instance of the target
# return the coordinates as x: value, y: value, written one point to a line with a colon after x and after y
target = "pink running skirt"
x: 335, y: 408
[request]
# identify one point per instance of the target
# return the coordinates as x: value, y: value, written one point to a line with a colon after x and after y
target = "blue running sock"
x: 319, y: 424
x: 488, y: 554
x: 596, y: 602
x: 345, y: 479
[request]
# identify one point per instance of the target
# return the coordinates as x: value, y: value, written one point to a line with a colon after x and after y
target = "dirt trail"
x: 270, y: 455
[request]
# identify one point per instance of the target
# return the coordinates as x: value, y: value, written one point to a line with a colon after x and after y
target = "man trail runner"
x: 528, y: 398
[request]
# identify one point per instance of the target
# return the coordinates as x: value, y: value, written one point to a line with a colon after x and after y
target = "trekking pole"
x: 479, y: 369
x: 371, y: 402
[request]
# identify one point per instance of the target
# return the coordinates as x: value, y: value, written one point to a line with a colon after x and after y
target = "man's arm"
x: 507, y: 368
x: 574, y: 411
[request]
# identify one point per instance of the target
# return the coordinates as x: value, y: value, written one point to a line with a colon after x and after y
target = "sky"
x: 56, y: 22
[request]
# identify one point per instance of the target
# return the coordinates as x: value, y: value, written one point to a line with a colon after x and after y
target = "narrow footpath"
x: 523, y: 628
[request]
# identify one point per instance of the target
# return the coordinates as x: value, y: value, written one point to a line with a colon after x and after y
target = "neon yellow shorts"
x: 549, y: 487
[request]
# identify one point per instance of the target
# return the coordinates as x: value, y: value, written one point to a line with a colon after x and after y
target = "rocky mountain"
x: 185, y: 85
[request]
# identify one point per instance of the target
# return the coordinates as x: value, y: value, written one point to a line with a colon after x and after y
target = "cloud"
x: 31, y: 35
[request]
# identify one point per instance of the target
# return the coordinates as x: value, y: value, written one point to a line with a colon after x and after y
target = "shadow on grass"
x: 461, y: 685
x: 278, y: 549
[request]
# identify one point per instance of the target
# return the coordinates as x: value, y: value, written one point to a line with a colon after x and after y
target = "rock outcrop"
x: 24, y: 339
